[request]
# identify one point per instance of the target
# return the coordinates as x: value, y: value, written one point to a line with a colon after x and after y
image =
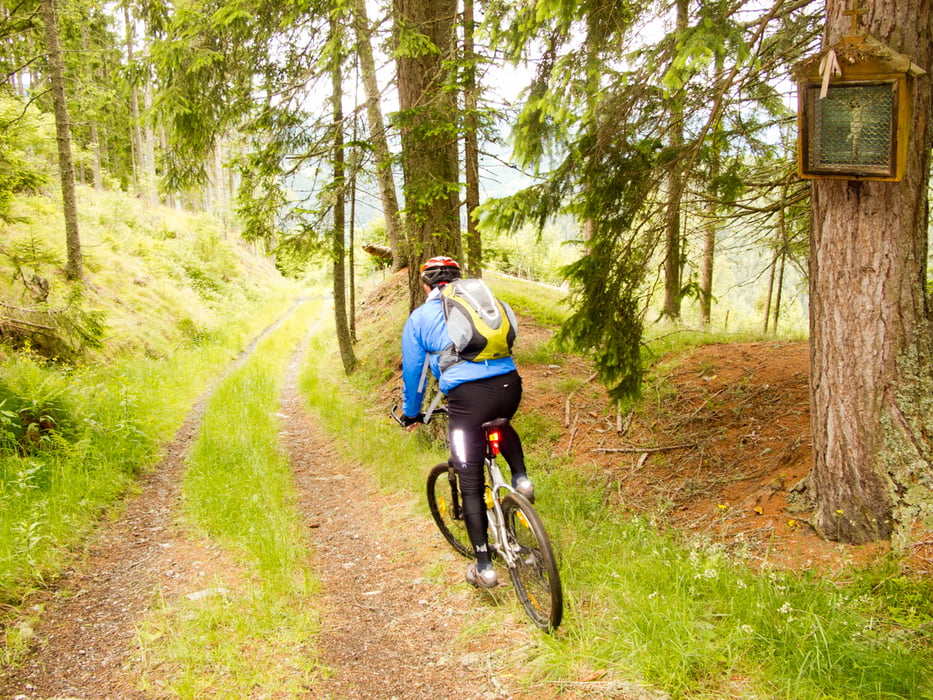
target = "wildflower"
x: 722, y: 507
x: 784, y: 609
x: 748, y: 629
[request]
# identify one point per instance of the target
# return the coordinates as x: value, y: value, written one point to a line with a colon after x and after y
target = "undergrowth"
x: 687, y: 619
x: 76, y: 437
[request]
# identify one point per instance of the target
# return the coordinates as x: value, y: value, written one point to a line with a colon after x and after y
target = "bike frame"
x: 499, y: 488
x: 497, y: 484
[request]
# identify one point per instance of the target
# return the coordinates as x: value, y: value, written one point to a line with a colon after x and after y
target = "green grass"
x: 177, y: 300
x: 547, y: 305
x: 399, y: 459
x: 114, y: 419
x: 238, y: 491
x: 691, y: 619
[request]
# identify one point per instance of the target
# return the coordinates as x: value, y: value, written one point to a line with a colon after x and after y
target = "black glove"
x: 411, y: 420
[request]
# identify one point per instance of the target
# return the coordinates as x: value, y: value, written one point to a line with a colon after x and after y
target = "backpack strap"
x: 423, y: 380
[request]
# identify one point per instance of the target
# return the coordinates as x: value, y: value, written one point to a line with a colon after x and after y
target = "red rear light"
x: 494, y: 441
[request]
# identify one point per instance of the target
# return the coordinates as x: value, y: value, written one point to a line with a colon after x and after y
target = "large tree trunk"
x: 74, y: 267
x: 427, y: 117
x: 377, y: 134
x: 868, y: 257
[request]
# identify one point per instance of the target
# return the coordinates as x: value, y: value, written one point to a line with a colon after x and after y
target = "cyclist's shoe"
x: 523, y: 485
x: 481, y: 577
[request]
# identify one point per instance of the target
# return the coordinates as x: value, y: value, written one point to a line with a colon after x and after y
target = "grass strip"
x: 238, y: 491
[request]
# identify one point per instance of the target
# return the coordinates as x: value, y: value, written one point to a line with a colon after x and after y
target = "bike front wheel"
x: 534, y: 568
x: 446, y: 506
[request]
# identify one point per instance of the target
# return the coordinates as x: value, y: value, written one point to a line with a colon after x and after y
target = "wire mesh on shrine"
x: 853, y: 127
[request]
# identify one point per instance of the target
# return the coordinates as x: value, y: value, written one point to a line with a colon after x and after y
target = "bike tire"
x: 534, y: 575
x: 445, y: 504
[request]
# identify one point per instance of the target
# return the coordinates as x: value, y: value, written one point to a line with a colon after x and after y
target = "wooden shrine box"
x: 854, y: 112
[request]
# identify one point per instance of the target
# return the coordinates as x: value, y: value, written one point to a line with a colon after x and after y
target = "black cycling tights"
x: 470, y: 405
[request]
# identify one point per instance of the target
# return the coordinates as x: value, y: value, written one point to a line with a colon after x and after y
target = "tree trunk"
x: 706, y: 266
x: 771, y: 272
x: 93, y: 131
x: 868, y: 257
x: 708, y: 260
x: 377, y: 134
x: 137, y: 136
x: 151, y: 177
x: 673, y: 251
x: 782, y: 261
x: 74, y: 267
x: 340, y: 222
x: 474, y: 244
x: 351, y: 255
x: 428, y: 119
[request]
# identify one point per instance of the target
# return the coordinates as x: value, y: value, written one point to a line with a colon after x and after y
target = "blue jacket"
x: 425, y: 332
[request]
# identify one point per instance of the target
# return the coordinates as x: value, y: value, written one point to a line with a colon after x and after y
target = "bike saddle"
x: 495, y: 423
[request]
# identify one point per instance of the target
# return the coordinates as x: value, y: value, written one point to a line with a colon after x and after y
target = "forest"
x: 642, y: 161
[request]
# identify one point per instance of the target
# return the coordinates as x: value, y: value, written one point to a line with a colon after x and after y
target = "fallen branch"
x: 573, y: 431
x: 645, y: 450
x: 567, y: 400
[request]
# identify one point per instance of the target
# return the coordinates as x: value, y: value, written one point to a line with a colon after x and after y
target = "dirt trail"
x: 388, y: 632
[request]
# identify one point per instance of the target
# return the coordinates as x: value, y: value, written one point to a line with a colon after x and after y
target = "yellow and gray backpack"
x: 480, y: 326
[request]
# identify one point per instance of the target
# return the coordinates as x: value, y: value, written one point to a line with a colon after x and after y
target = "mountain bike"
x: 516, y: 533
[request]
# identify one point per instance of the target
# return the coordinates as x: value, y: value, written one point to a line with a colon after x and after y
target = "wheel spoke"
x: 534, y: 573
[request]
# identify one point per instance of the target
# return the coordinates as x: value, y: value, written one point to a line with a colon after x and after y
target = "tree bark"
x: 74, y: 267
x: 868, y: 257
x: 709, y: 256
x: 377, y: 133
x: 708, y: 260
x: 93, y: 131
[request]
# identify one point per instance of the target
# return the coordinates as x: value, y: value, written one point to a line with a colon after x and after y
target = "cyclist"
x: 476, y: 392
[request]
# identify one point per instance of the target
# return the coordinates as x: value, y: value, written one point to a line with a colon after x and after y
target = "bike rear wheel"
x: 534, y: 572
x: 447, y: 508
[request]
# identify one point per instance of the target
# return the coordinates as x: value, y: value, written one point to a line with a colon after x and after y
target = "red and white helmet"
x: 440, y: 270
